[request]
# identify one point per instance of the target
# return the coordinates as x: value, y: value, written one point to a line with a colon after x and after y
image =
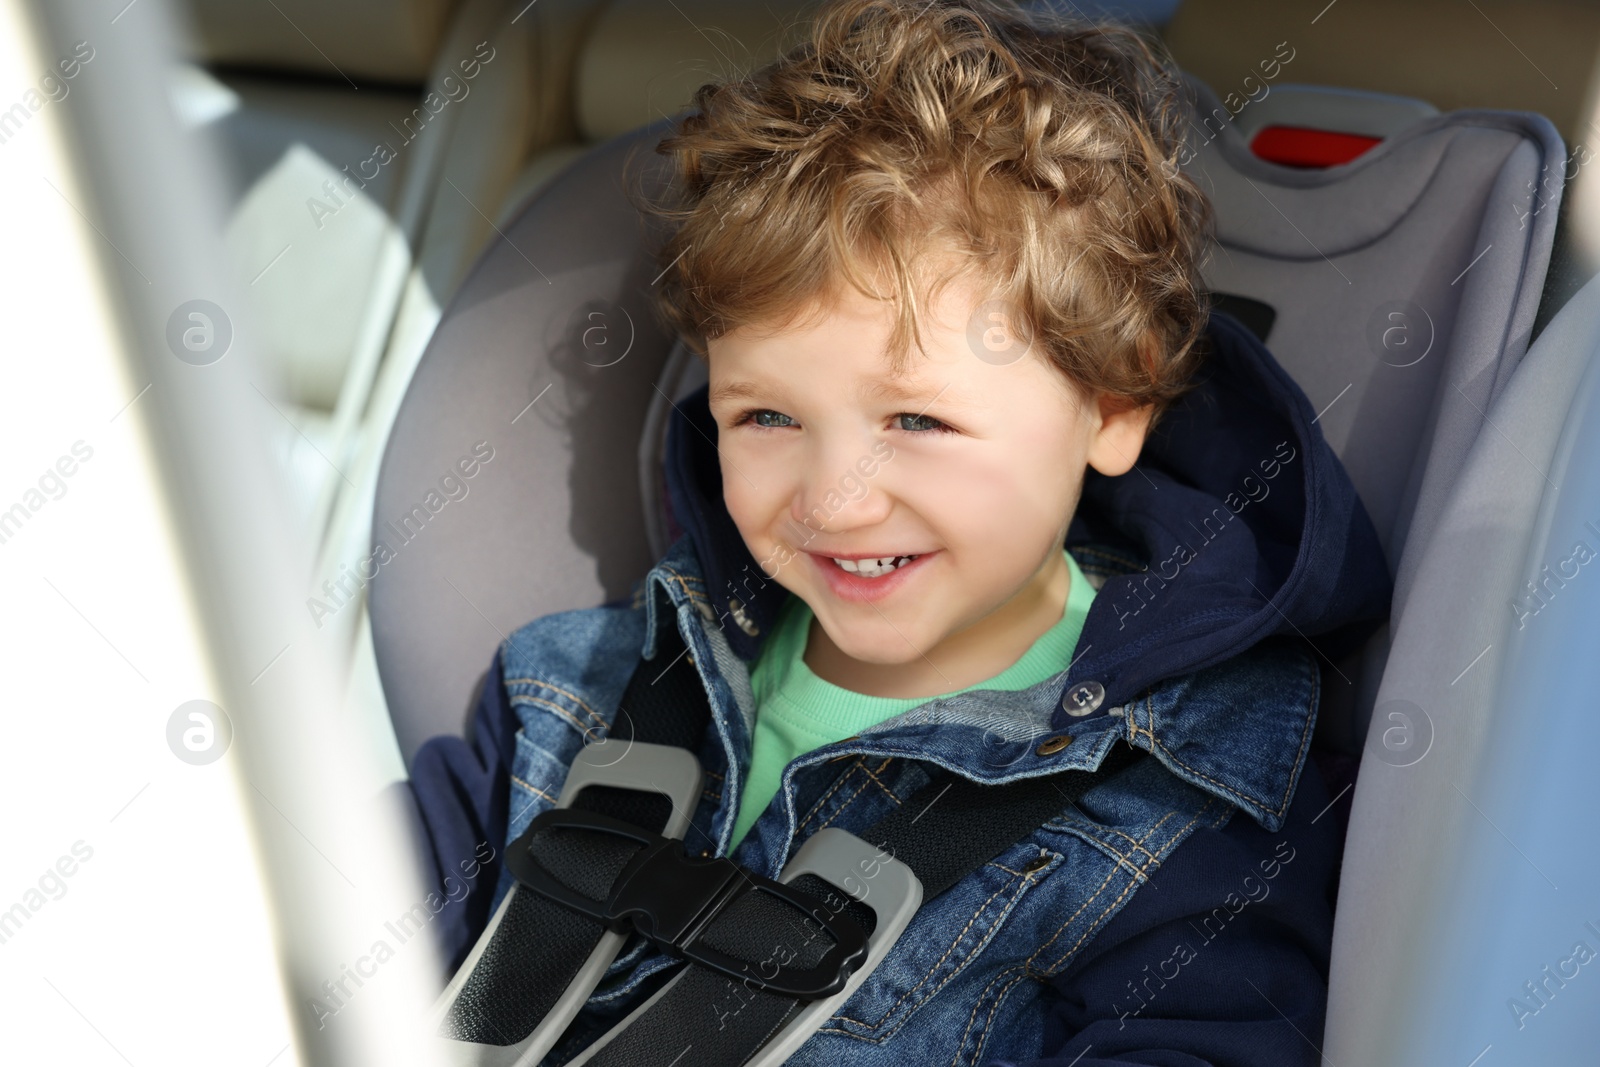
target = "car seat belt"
x: 748, y: 1015
x: 768, y: 960
x: 536, y: 962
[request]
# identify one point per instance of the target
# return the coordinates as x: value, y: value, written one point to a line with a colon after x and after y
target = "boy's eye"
x: 921, y: 423
x: 766, y: 418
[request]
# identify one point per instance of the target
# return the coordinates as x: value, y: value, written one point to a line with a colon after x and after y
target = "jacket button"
x: 705, y: 610
x: 1083, y: 698
x: 1038, y: 863
x: 741, y: 618
x: 1051, y: 745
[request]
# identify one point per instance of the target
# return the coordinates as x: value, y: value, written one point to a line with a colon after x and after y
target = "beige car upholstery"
x: 1511, y: 54
x: 645, y: 59
x: 366, y: 40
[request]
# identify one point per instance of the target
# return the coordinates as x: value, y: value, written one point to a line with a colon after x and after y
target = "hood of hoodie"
x: 1242, y: 515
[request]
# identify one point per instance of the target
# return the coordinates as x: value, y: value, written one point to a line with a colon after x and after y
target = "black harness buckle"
x: 671, y: 898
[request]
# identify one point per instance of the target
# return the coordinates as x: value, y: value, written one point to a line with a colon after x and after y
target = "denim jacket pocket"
x: 947, y: 935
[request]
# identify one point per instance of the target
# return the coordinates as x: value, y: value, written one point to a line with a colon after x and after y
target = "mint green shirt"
x: 796, y: 711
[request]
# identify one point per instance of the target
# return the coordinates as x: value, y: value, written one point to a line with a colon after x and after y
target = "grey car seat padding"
x: 550, y: 356
x: 1330, y: 248
x: 544, y: 362
x: 1415, y: 924
x: 1406, y: 285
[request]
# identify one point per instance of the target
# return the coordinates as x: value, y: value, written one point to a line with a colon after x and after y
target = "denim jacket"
x: 1182, y: 905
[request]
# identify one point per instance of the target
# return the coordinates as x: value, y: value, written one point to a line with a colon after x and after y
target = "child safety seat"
x: 1399, y: 289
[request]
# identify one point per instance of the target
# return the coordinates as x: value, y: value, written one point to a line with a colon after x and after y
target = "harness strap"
x: 946, y: 830
x: 536, y: 948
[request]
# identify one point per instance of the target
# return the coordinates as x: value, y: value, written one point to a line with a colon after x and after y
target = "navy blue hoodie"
x: 1241, y: 447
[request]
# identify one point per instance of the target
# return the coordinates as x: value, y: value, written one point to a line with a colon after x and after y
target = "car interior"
x: 424, y: 202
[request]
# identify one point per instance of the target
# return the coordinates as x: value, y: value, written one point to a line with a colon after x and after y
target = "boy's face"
x: 973, y: 465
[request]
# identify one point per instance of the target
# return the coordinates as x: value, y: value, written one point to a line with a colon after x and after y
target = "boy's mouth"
x: 863, y: 579
x: 872, y: 566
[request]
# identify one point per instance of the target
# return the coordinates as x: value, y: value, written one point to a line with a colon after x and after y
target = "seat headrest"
x: 645, y: 59
x: 373, y: 40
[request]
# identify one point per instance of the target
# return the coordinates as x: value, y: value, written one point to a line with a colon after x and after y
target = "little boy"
x: 977, y: 496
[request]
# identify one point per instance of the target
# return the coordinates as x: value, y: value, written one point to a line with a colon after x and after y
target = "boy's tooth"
x: 873, y: 568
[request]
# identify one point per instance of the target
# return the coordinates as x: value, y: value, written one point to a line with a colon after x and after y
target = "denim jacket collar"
x: 1237, y: 531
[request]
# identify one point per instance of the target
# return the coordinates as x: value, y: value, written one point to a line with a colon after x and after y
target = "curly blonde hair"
x: 1042, y: 151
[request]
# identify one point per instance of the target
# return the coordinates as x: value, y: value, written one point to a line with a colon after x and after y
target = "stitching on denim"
x: 1314, y: 675
x: 1132, y: 884
x: 1172, y: 842
x: 1134, y: 729
x: 972, y: 1019
x: 837, y: 782
x: 846, y: 805
x: 1243, y: 797
x: 1148, y: 834
x: 682, y: 577
x: 1283, y: 803
x: 683, y: 584
x: 955, y: 941
x: 564, y: 692
x: 1135, y: 842
x: 875, y: 778
x: 1150, y: 716
x: 1138, y: 845
x: 587, y: 731
x: 1073, y: 917
x: 530, y: 787
x: 696, y: 598
x: 1137, y: 868
x: 994, y: 1010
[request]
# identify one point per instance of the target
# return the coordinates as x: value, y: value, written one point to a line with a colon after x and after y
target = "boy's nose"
x: 833, y: 494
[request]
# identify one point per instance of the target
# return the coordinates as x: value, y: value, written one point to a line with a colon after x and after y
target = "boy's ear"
x: 1115, y: 444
